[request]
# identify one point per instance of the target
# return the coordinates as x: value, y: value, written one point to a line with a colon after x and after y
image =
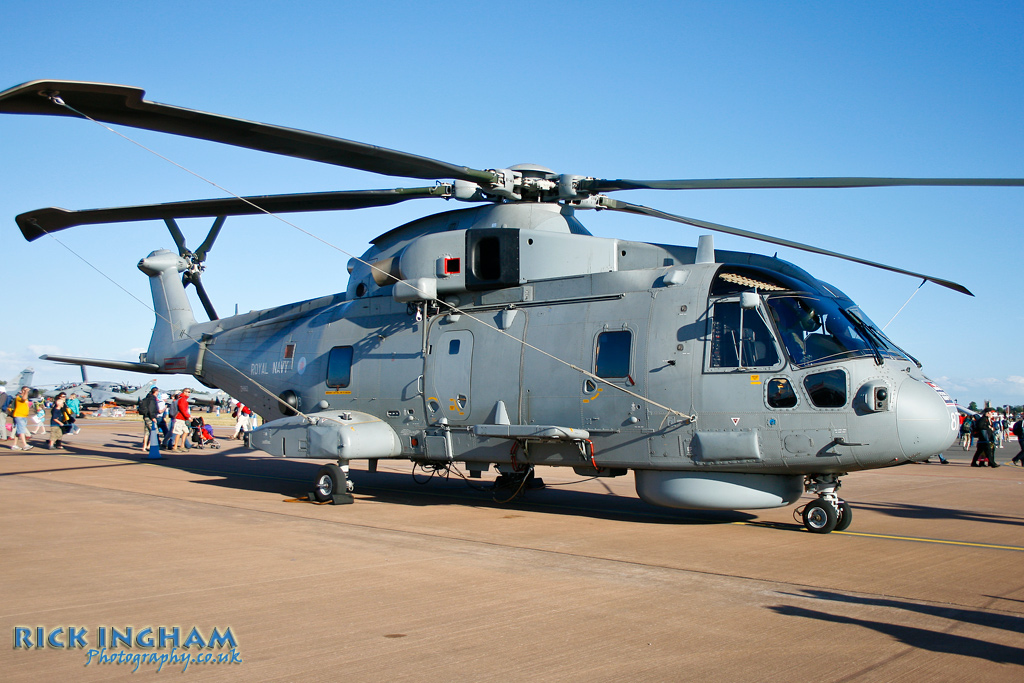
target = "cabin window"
x: 781, y: 393
x: 740, y: 338
x: 613, y: 352
x: 339, y: 367
x: 289, y: 351
x: 453, y: 347
x: 827, y: 389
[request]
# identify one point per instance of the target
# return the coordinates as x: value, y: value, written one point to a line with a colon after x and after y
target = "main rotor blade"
x: 790, y: 183
x: 35, y: 224
x: 124, y: 105
x: 616, y: 205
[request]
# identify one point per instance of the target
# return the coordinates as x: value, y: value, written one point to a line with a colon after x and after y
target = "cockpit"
x: 752, y: 312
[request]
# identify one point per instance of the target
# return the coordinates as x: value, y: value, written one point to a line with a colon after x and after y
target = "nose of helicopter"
x: 926, y: 424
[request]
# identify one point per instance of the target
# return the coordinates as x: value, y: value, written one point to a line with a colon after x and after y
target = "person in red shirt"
x: 182, y: 419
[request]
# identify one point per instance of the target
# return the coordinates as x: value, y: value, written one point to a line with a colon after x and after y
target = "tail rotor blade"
x: 211, y: 237
x: 177, y: 236
x: 204, y: 298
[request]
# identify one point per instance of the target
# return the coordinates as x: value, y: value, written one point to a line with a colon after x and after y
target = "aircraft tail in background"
x: 22, y: 379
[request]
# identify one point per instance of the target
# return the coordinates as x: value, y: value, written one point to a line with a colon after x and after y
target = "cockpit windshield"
x: 887, y: 348
x: 816, y: 330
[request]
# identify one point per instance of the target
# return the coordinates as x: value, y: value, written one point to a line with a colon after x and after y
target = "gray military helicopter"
x: 506, y: 335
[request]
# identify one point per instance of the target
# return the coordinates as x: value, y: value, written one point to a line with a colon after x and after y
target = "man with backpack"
x: 149, y: 411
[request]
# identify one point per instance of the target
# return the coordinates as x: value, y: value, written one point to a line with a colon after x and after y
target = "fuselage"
x: 666, y: 359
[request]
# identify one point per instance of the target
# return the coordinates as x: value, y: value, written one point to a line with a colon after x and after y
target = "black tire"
x: 329, y: 480
x: 820, y: 517
x: 845, y: 516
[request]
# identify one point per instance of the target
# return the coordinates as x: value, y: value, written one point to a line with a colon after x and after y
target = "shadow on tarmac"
x: 1005, y: 622
x: 294, y: 478
x: 906, y: 511
x: 922, y: 639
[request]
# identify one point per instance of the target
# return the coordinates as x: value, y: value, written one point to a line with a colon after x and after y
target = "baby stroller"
x: 202, y: 434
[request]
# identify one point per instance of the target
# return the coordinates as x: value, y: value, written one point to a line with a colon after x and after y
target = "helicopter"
x: 505, y: 335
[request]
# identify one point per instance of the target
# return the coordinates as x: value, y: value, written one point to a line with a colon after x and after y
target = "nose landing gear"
x: 829, y: 512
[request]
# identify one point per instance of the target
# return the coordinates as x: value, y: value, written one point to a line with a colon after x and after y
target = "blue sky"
x: 615, y: 90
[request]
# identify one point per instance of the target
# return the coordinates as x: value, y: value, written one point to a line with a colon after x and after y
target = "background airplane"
x: 123, y: 398
x: 209, y: 398
x: 22, y: 379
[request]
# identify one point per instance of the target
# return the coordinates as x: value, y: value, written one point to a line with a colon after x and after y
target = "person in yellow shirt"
x: 22, y: 406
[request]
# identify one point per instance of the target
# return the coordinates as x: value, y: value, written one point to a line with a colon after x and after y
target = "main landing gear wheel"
x: 820, y: 516
x: 331, y: 479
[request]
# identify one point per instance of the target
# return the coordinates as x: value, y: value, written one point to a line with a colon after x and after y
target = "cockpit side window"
x: 827, y: 389
x: 780, y: 393
x: 740, y: 338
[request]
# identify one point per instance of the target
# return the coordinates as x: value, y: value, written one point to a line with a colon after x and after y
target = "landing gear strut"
x: 517, y: 482
x: 829, y: 512
x: 332, y: 485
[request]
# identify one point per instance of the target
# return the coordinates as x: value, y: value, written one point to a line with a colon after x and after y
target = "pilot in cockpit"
x: 795, y: 319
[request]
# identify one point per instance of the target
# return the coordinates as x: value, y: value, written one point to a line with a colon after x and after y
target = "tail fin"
x: 170, y: 346
x: 22, y: 379
x: 141, y: 392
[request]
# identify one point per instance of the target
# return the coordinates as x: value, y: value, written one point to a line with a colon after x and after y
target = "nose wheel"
x: 829, y: 512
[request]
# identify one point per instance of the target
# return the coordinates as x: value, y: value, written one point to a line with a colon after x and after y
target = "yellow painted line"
x: 938, y: 541
x: 933, y: 540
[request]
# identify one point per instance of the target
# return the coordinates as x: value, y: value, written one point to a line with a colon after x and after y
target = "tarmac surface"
x: 436, y: 581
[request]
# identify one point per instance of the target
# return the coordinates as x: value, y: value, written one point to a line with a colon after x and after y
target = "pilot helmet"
x: 806, y: 317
